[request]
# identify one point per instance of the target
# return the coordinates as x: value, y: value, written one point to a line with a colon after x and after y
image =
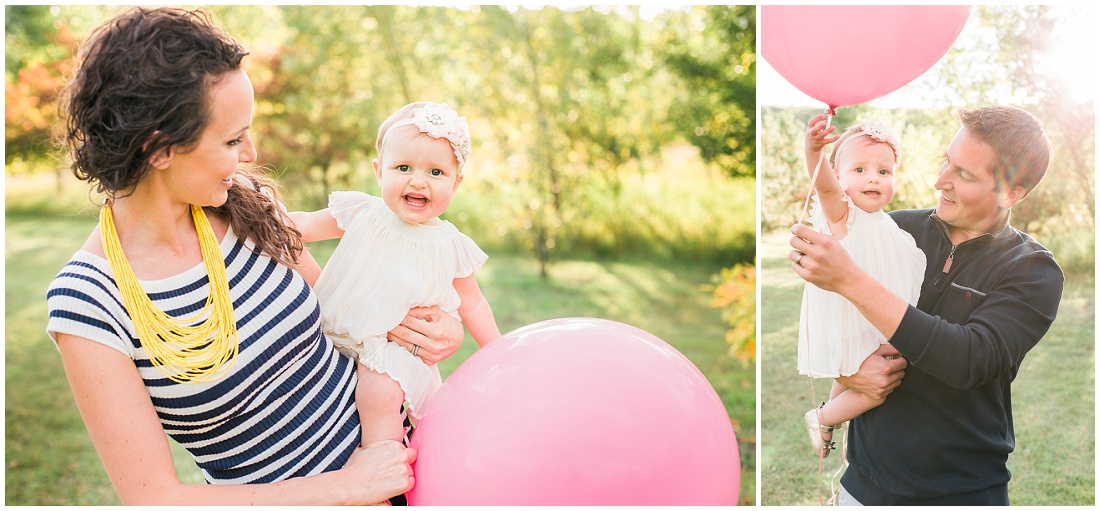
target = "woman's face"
x: 203, y: 174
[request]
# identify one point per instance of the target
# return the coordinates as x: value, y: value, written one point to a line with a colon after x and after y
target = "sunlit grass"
x: 50, y: 460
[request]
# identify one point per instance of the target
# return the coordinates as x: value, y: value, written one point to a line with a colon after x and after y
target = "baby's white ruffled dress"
x: 833, y: 336
x: 383, y: 267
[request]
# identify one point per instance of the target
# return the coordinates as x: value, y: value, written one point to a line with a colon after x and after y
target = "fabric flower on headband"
x: 875, y: 131
x: 438, y: 120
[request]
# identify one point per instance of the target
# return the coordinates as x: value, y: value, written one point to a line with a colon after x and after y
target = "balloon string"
x: 813, y: 394
x: 813, y: 178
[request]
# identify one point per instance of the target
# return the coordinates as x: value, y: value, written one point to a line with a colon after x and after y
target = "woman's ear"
x: 162, y: 157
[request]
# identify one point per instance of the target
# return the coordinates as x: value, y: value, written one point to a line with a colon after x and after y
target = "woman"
x: 235, y: 369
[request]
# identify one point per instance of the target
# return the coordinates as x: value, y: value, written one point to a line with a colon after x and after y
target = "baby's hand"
x: 817, y: 134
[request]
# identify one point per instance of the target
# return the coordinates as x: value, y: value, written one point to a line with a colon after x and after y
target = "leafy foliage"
x: 564, y: 104
x: 718, y: 62
x: 734, y: 293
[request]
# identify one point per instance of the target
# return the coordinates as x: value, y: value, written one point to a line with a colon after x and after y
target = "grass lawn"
x: 50, y: 460
x: 1053, y: 399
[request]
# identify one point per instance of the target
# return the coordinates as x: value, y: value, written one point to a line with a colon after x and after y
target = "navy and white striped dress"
x: 285, y: 409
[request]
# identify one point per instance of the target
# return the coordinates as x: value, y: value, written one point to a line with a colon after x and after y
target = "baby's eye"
x: 883, y: 172
x: 435, y: 172
x: 859, y: 170
x: 403, y: 168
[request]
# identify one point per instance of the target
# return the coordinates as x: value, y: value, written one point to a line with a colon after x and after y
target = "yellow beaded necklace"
x: 183, y: 349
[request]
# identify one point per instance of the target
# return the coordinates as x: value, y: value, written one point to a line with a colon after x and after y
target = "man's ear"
x: 162, y: 157
x: 1011, y: 196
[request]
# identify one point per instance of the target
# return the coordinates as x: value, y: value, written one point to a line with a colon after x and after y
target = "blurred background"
x: 612, y: 175
x: 1042, y: 59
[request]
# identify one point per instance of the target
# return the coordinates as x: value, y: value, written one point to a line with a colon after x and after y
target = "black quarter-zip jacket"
x: 943, y: 436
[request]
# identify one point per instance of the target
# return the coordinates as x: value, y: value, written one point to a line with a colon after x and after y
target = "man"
x: 990, y: 293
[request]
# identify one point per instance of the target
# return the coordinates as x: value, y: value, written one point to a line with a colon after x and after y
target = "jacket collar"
x: 1005, y: 231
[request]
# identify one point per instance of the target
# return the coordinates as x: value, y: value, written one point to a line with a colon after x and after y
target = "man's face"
x: 969, y: 199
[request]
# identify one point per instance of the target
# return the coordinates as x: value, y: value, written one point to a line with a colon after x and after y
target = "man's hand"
x: 879, y: 374
x: 821, y: 260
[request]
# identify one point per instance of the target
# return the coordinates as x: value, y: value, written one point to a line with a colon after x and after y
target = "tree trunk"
x: 542, y: 159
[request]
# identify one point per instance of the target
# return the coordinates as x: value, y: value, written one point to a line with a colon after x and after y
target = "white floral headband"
x: 438, y: 120
x: 877, y: 132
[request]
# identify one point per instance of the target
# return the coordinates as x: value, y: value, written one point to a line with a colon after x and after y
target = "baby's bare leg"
x: 379, y: 400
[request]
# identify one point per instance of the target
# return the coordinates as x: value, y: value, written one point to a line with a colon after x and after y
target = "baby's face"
x: 866, y: 171
x: 418, y: 175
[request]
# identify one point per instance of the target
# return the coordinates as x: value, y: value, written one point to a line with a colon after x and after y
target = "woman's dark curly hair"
x: 142, y: 85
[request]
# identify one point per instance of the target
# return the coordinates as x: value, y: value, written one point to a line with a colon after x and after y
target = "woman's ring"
x: 799, y: 260
x: 416, y: 347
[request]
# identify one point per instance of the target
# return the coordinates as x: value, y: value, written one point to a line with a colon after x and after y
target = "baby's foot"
x: 820, y: 436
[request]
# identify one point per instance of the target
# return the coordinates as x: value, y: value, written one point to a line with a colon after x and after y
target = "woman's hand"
x: 379, y: 471
x: 434, y: 334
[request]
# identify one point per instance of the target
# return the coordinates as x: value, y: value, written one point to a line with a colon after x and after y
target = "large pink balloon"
x: 847, y: 55
x: 576, y: 411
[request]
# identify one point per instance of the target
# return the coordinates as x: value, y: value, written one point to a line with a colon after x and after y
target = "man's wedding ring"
x: 799, y: 260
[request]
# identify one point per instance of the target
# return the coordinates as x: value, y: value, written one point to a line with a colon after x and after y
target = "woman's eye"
x: 235, y: 142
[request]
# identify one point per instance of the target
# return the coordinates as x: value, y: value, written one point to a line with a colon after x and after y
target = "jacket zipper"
x: 946, y: 266
x: 950, y: 255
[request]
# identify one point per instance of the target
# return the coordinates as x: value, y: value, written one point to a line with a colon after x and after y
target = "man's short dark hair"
x: 1022, y: 147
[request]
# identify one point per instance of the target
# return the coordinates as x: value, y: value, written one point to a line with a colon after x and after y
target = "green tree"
x: 576, y: 108
x: 1013, y: 41
x: 316, y: 99
x: 36, y: 57
x: 718, y: 64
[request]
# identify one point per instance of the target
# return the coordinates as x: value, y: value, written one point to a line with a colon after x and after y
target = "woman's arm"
x: 475, y: 311
x: 829, y: 192
x: 134, y: 450
x: 316, y: 225
x: 437, y: 333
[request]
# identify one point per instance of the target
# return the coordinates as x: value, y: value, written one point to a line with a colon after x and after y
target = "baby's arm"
x: 475, y: 311
x: 316, y: 225
x: 829, y: 191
